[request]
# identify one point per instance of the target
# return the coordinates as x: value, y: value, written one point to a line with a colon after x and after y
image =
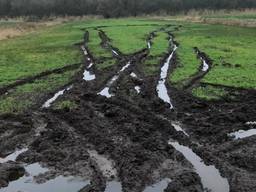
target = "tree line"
x: 113, y: 8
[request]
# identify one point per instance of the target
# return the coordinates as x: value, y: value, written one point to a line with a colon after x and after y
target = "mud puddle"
x: 149, y: 45
x: 241, y: 134
x: 177, y: 127
x: 13, y: 156
x: 84, y: 50
x: 105, y: 165
x: 161, y: 86
x: 210, y: 176
x: 115, y: 52
x: 49, y: 102
x: 158, y: 187
x: 137, y: 89
x: 106, y: 91
x: 28, y: 183
x: 251, y: 123
x: 88, y: 75
x: 113, y: 186
x: 205, y: 65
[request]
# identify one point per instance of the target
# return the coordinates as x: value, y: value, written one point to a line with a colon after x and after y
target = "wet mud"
x: 132, y: 141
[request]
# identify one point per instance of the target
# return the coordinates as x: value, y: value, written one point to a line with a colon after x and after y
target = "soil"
x: 131, y: 131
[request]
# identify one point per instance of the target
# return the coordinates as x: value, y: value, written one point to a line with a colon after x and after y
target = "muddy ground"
x: 130, y: 132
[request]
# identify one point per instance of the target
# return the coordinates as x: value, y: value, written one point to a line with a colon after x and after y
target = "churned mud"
x: 131, y: 141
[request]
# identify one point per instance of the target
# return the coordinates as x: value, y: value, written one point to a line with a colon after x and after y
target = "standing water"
x: 114, y: 52
x: 113, y: 186
x: 158, y: 187
x: 84, y: 50
x: 210, y: 176
x: 60, y: 183
x: 161, y: 87
x: 138, y: 89
x: 105, y: 92
x: 88, y: 76
x: 149, y: 45
x: 178, y: 128
x: 48, y: 103
x: 243, y: 134
x: 13, y: 156
x: 205, y: 65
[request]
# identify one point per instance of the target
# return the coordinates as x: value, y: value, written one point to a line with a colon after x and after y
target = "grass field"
x: 31, y: 54
x: 231, y: 48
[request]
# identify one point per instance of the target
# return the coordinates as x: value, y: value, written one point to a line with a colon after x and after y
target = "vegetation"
x: 94, y: 45
x: 158, y: 51
x: 231, y: 49
x: 129, y: 39
x: 31, y: 54
x: 29, y: 95
x: 209, y: 92
x: 65, y: 104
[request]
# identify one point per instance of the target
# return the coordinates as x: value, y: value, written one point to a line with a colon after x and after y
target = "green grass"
x: 231, y: 48
x: 187, y: 62
x: 65, y: 104
x: 104, y: 57
x: 106, y: 63
x: 26, y: 96
x: 224, y: 44
x: 160, y: 44
x: 209, y: 93
x: 95, y: 47
x: 129, y: 39
x: 37, y: 52
x: 158, y: 50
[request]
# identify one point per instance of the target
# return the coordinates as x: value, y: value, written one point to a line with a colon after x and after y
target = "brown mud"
x: 130, y: 132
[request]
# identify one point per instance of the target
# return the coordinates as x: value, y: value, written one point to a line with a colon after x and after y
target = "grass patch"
x: 160, y: 44
x: 158, y: 50
x: 105, y: 63
x: 65, y: 104
x: 26, y: 96
x: 209, y: 92
x: 95, y: 47
x: 187, y: 62
x: 31, y: 54
x: 129, y: 39
x: 225, y: 45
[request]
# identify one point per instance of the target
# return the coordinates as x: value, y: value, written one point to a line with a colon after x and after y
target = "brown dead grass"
x: 21, y: 28
x: 201, y: 17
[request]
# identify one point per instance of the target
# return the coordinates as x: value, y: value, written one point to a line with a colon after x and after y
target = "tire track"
x: 31, y: 79
x: 204, y: 69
